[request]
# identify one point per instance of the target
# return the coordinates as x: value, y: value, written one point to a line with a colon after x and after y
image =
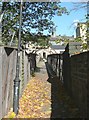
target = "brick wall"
x: 75, y: 78
x: 79, y: 80
x: 75, y: 73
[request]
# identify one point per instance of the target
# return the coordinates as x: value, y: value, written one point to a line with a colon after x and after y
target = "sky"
x: 65, y: 23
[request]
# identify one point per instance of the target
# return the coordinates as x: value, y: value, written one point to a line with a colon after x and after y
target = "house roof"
x: 75, y: 43
x: 54, y: 38
x: 57, y: 47
x: 71, y: 38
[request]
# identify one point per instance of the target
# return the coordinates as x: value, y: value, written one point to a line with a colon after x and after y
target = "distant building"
x: 53, y: 32
x: 59, y: 49
x: 81, y: 31
x: 74, y: 47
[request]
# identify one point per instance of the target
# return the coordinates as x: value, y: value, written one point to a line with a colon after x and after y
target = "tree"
x: 36, y: 16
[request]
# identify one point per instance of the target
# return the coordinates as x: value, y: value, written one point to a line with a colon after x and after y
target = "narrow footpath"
x: 46, y: 98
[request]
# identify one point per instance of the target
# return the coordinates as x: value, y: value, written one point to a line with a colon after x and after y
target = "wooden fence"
x: 66, y: 70
x: 54, y: 61
x: 8, y: 58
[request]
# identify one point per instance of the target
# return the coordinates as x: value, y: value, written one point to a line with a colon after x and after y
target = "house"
x: 81, y: 31
x: 74, y: 47
x: 58, y: 49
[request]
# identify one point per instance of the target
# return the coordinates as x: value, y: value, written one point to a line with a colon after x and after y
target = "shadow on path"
x: 54, y: 97
x: 62, y: 106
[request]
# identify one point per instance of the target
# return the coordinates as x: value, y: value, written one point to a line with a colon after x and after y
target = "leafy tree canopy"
x: 35, y: 16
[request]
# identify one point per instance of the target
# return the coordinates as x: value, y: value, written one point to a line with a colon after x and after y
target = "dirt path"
x: 46, y: 98
x: 37, y: 103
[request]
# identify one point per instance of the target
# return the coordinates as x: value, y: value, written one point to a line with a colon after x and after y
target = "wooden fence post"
x: 20, y: 76
x: 0, y: 82
x: 25, y: 69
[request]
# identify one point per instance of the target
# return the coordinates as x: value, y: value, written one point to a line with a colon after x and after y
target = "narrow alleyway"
x: 46, y: 98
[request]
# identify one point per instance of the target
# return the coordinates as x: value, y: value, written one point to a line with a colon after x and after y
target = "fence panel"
x: 25, y: 69
x: 54, y: 61
x: 7, y: 79
x: 20, y: 75
x: 32, y: 60
x: 0, y: 82
x: 88, y: 85
x: 67, y: 70
x: 8, y: 59
x: 28, y: 68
